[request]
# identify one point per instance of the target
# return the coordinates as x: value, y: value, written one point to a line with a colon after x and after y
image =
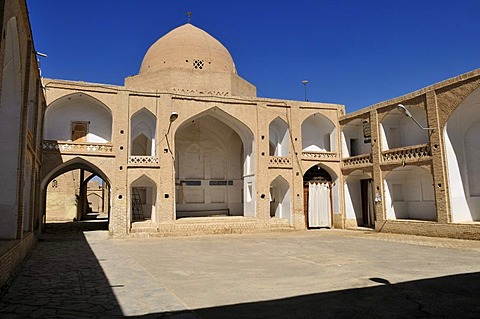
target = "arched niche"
x: 462, y: 151
x: 409, y: 194
x: 279, y: 138
x: 78, y: 117
x: 319, y: 134
x: 398, y: 130
x: 353, y: 141
x: 143, y: 203
x: 214, y: 169
x: 280, y: 201
x: 143, y: 132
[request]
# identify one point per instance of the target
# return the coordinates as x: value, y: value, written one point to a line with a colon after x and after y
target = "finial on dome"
x: 189, y: 15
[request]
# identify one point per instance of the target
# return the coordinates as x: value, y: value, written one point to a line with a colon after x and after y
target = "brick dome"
x: 190, y: 48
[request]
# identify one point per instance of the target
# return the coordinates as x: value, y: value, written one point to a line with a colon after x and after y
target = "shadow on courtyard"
x: 63, y: 278
x: 454, y: 296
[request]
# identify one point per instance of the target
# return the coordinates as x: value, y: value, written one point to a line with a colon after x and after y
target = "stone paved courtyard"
x: 76, y: 272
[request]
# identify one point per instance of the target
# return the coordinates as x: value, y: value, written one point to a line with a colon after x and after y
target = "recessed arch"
x: 359, y: 201
x: 279, y: 137
x: 214, y: 166
x: 462, y: 150
x: 143, y: 133
x: 279, y: 197
x: 143, y: 205
x: 62, y: 114
x: 398, y: 130
x: 409, y: 194
x: 319, y: 134
x: 353, y: 141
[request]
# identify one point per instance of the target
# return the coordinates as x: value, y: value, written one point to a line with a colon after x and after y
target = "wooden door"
x: 79, y: 131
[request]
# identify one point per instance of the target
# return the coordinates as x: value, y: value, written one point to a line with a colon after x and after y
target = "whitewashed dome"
x: 190, y: 48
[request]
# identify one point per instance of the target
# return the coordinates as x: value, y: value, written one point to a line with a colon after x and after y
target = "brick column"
x: 376, y: 170
x: 119, y: 216
x: 438, y: 164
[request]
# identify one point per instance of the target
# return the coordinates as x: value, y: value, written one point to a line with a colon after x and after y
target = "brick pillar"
x: 438, y: 163
x: 119, y: 220
x: 377, y: 173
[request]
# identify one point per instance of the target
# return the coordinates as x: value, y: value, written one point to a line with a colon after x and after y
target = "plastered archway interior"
x: 62, y: 114
x: 359, y: 201
x: 280, y: 202
x: 462, y: 151
x: 318, y: 134
x: 214, y: 170
x: 409, y: 194
x: 398, y: 130
x: 353, y: 141
x: 143, y: 131
x: 279, y: 138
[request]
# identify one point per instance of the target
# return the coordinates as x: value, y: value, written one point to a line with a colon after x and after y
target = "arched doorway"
x: 214, y: 171
x: 318, y: 197
x: 76, y: 190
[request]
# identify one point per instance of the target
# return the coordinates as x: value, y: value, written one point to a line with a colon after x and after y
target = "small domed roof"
x: 187, y: 47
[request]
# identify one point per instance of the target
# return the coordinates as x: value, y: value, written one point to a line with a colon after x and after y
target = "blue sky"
x: 355, y: 53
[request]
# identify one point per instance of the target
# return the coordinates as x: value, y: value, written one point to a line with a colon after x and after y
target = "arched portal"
x: 66, y: 191
x: 409, y: 194
x: 320, y: 196
x: 319, y: 134
x: 462, y: 150
x: 280, y: 203
x: 10, y: 119
x: 359, y: 201
x: 214, y: 170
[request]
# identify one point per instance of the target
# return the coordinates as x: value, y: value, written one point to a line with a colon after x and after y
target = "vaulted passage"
x: 213, y: 166
x: 76, y: 190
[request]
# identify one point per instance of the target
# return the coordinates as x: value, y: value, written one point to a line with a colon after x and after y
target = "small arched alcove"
x: 280, y: 202
x: 279, y: 138
x: 143, y: 204
x: 143, y: 131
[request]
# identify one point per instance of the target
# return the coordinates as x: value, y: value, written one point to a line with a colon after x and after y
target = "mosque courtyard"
x: 76, y: 272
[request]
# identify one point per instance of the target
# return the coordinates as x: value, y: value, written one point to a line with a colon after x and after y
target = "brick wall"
x: 12, y: 254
